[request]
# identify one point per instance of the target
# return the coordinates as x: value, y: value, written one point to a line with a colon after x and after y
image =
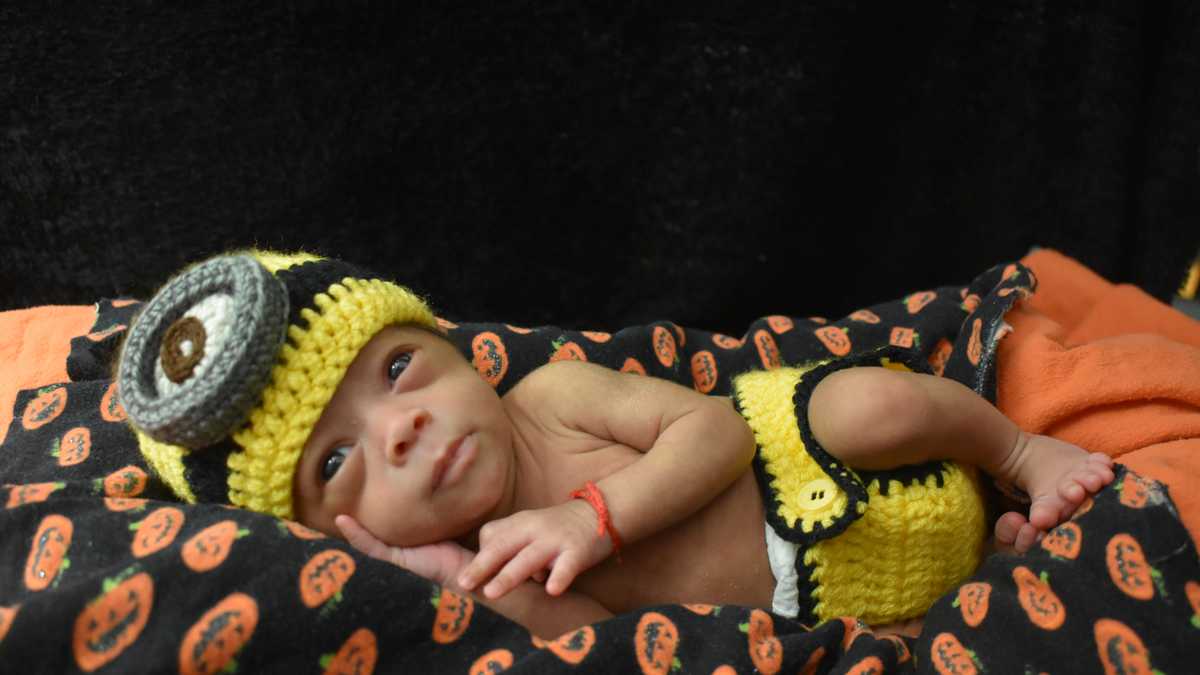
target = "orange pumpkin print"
x: 724, y: 669
x: 490, y: 357
x: 972, y: 601
x: 597, y: 335
x: 574, y: 646
x: 726, y: 342
x: 768, y: 351
x: 917, y: 301
x: 1134, y: 490
x: 1083, y: 508
x: 818, y: 319
x: 124, y: 503
x: 975, y: 342
x: 664, y: 346
x: 212, y: 642
x: 45, y: 407
x: 655, y: 642
x: 128, y: 481
x: 902, y: 336
x: 7, y: 614
x: 1009, y: 271
x: 970, y: 303
x: 1039, y: 601
x: 950, y: 657
x: 495, y: 661
x: 567, y: 351
x: 110, y: 406
x: 779, y: 324
x: 870, y: 665
x: 48, y: 551
x: 940, y: 356
x: 1128, y: 567
x: 31, y: 493
x: 813, y: 662
x: 865, y: 316
x: 357, y: 655
x: 454, y: 613
x: 766, y: 651
x: 704, y: 371
x: 519, y: 330
x: 1192, y: 590
x: 1120, y: 649
x: 156, y: 531
x: 301, y: 531
x: 851, y: 629
x: 112, y: 621
x: 324, y: 575
x: 209, y: 547
x: 680, y: 335
x: 902, y: 653
x: 633, y: 366
x: 73, y: 447
x: 1064, y: 541
x: 835, y: 339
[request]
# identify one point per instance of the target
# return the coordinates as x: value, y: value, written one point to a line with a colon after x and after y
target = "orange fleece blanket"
x: 34, y: 344
x: 1109, y: 368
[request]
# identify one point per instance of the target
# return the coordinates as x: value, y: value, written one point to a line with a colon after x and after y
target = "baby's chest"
x: 568, y: 461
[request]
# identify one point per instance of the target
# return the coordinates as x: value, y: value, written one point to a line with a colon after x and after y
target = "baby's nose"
x: 403, y: 431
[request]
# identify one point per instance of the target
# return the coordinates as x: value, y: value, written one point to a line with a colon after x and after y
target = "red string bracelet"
x: 592, y: 495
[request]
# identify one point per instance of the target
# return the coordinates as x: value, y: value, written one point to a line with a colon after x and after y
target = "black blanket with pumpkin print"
x: 102, y: 571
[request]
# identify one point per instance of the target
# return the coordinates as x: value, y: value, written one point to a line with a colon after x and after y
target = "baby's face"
x: 414, y: 444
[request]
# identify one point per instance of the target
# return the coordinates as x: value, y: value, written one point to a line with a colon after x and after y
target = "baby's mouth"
x: 443, y: 463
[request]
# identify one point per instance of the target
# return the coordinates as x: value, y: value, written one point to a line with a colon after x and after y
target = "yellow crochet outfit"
x: 881, y: 546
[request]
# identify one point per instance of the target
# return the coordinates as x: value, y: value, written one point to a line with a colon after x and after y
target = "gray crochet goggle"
x: 201, y: 351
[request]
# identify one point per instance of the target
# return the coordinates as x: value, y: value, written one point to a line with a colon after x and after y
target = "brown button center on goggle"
x: 182, y: 348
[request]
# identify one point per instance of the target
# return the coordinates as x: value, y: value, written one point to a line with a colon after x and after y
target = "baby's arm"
x: 693, y: 446
x: 876, y: 418
x: 528, y: 604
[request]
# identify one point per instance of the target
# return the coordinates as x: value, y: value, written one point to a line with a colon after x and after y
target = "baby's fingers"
x: 362, y: 540
x: 521, y: 567
x: 486, y: 563
x: 567, y: 566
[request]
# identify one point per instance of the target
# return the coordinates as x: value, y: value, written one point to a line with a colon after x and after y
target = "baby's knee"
x: 862, y: 414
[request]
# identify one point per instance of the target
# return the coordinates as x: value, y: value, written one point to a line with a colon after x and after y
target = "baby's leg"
x: 875, y: 418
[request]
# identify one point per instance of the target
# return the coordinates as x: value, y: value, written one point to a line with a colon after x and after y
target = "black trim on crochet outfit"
x: 806, y: 591
x: 207, y: 472
x: 304, y: 281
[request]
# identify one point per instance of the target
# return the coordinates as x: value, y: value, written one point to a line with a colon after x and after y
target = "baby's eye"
x: 398, y: 364
x: 334, y: 461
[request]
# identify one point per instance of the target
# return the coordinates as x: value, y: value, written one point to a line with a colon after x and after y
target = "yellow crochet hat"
x: 226, y: 370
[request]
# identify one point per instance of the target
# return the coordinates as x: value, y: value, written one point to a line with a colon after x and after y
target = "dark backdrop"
x: 597, y: 164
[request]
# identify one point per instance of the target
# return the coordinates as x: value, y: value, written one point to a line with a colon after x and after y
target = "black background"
x: 599, y: 164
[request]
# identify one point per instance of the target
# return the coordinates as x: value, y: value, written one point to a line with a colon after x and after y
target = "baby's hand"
x: 561, y: 538
x: 439, y: 563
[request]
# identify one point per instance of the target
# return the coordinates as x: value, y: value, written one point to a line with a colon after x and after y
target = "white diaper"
x: 782, y: 556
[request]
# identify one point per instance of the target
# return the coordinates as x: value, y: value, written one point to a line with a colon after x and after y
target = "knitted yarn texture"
x: 229, y: 366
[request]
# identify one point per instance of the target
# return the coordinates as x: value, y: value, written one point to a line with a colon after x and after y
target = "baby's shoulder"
x: 549, y: 383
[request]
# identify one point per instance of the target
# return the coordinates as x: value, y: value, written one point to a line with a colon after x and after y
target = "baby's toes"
x: 1046, y: 512
x: 1026, y: 538
x: 1007, y: 527
x: 1099, y: 464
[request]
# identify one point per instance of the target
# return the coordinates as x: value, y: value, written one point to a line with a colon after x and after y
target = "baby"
x: 359, y: 417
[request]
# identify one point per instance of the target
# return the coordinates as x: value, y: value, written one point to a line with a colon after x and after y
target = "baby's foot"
x: 1056, y: 475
